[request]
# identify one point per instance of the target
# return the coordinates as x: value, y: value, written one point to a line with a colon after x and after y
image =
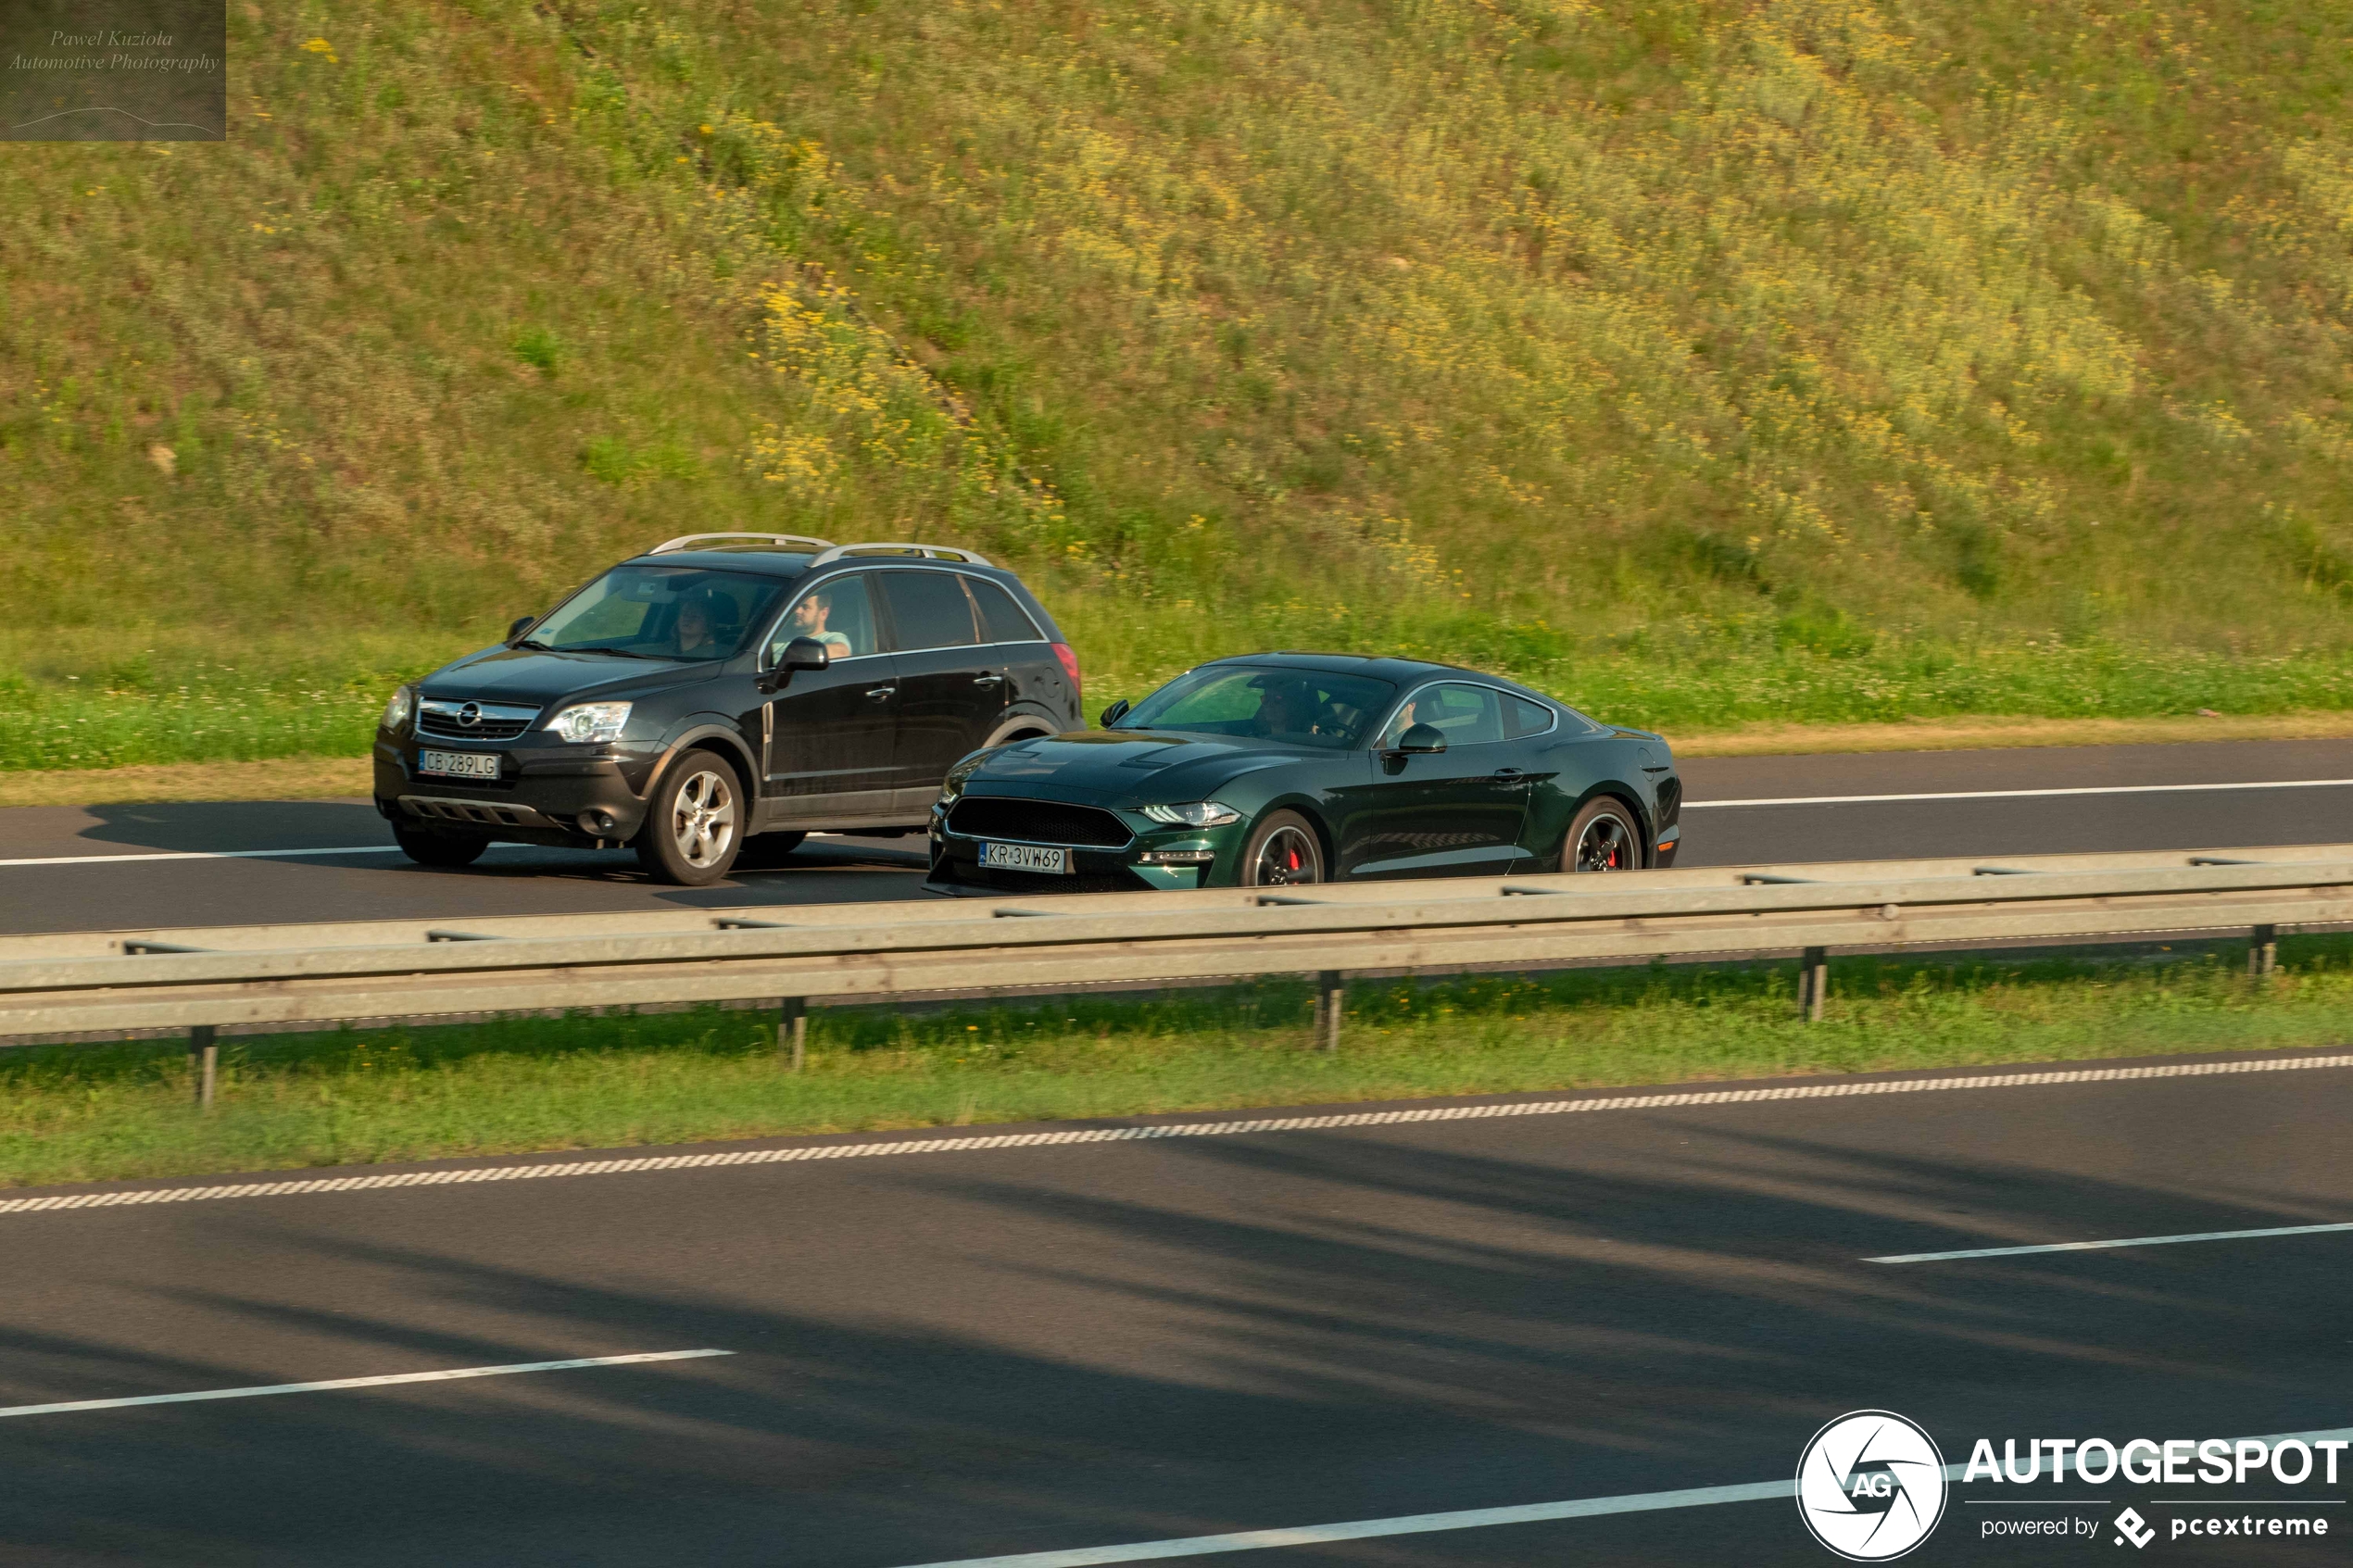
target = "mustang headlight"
x: 951, y: 789
x: 1194, y: 814
x: 590, y: 721
x: 396, y: 711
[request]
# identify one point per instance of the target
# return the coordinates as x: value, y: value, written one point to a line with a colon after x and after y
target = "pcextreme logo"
x: 1870, y: 1486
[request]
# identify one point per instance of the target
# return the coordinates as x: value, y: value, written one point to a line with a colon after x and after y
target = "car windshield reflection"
x: 1310, y: 707
x: 675, y: 613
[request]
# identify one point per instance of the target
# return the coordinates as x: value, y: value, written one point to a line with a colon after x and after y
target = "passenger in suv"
x: 720, y: 688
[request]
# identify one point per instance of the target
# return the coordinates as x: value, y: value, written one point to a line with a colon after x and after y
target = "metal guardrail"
x: 203, y: 980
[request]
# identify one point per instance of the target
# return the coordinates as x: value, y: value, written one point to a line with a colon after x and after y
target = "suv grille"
x: 446, y: 720
x: 1036, y: 822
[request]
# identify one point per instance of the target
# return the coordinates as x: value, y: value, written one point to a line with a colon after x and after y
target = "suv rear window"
x: 1001, y: 619
x: 928, y: 609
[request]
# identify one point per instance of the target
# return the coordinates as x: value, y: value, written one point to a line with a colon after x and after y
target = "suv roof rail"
x: 777, y: 539
x: 924, y: 552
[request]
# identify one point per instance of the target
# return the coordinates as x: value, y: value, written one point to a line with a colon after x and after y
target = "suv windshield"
x: 687, y: 612
x: 1296, y: 707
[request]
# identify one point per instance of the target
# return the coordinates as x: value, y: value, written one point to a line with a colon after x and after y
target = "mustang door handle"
x: 1511, y: 775
x: 878, y: 693
x: 989, y: 679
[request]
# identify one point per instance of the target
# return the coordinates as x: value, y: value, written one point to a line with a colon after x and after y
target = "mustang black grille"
x: 1036, y: 822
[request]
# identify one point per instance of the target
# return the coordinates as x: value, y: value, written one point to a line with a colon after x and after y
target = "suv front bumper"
x: 570, y: 795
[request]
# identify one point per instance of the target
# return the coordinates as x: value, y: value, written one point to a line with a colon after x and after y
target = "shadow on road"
x: 1035, y: 1351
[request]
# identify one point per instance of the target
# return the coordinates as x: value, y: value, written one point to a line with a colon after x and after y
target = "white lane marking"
x: 795, y: 1153
x: 2013, y: 794
x: 1362, y: 1529
x: 200, y: 855
x: 445, y: 1376
x: 2101, y: 1245
x: 1465, y: 1519
x: 1688, y: 806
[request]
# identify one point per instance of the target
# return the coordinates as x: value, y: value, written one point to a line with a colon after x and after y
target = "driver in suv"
x: 721, y: 689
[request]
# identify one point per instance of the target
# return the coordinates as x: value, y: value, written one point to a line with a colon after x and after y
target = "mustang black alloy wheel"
x: 1284, y: 852
x: 1603, y: 838
x: 695, y: 825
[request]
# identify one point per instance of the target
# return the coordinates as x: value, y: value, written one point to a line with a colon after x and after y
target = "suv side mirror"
x: 801, y: 653
x: 1421, y: 740
x: 1114, y: 713
x: 522, y: 623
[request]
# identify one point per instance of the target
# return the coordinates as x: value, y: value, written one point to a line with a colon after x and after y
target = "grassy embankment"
x: 87, y: 1113
x: 1810, y: 361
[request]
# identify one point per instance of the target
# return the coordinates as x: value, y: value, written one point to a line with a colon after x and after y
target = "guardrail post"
x: 1330, y: 998
x: 2263, y: 956
x: 204, y: 1062
x: 1813, y: 983
x: 792, y: 1030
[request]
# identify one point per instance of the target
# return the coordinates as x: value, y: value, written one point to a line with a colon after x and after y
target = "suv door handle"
x: 878, y: 693
x: 989, y: 679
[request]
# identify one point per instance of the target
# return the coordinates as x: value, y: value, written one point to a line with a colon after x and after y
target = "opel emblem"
x: 470, y: 715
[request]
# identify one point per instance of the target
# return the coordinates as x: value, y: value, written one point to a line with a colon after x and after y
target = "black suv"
x: 722, y: 686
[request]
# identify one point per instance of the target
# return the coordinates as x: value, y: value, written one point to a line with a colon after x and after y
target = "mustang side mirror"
x: 523, y: 624
x: 1114, y: 713
x: 1421, y: 739
x: 801, y: 653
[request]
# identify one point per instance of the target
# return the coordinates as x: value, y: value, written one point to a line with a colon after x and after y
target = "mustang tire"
x: 1283, y: 852
x: 694, y: 822
x: 1603, y: 838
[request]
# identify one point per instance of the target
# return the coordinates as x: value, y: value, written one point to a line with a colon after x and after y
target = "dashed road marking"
x: 795, y: 1153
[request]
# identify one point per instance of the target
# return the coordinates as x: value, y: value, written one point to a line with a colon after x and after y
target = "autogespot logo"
x: 1870, y: 1486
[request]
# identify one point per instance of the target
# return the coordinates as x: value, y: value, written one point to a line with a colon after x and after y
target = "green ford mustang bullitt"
x: 1280, y: 768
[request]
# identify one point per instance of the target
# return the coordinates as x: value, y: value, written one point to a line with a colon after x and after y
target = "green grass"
x: 189, y: 705
x: 1705, y: 362
x: 84, y: 1113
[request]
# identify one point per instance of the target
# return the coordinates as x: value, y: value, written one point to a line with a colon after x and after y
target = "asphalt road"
x: 95, y: 868
x: 944, y: 1356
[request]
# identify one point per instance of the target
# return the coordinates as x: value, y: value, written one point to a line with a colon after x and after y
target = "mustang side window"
x: 838, y: 613
x: 1466, y: 715
x: 1523, y: 718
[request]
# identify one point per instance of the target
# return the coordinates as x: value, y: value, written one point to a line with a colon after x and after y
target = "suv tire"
x: 768, y: 850
x: 445, y: 850
x: 694, y: 822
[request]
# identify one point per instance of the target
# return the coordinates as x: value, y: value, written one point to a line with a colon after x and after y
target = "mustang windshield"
x: 687, y: 612
x: 1294, y: 707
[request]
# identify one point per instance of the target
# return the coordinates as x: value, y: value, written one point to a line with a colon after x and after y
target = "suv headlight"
x: 587, y: 721
x: 1194, y: 814
x: 396, y: 711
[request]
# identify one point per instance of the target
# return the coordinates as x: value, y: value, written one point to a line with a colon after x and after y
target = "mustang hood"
x: 1124, y: 767
x: 504, y: 675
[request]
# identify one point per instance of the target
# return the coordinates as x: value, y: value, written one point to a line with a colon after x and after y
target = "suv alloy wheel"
x: 695, y: 822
